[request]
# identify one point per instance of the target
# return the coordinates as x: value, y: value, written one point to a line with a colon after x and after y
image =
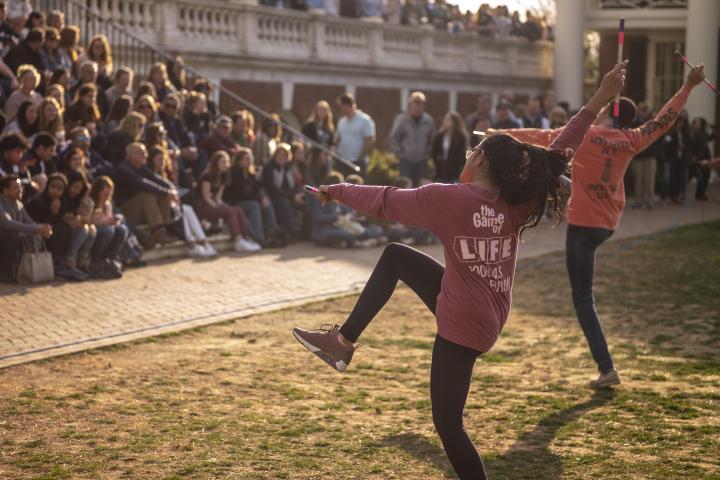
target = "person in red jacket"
x: 598, y: 199
x: 479, y: 224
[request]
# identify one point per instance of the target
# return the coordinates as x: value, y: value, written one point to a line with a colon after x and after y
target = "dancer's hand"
x: 696, y: 76
x: 614, y: 81
x: 323, y: 195
x: 612, y: 84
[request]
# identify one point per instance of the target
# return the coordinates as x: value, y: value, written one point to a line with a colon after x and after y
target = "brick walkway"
x: 60, y: 318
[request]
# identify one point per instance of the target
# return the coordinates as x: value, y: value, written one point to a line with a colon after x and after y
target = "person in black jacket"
x: 700, y: 152
x: 320, y: 126
x: 143, y: 196
x: 677, y: 155
x: 280, y: 185
x: 448, y: 149
x: 27, y: 52
x: 245, y: 191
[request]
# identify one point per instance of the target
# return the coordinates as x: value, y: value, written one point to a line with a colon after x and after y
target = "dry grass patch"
x: 243, y: 400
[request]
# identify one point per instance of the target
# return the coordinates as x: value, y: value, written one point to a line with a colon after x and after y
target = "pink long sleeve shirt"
x: 479, y: 232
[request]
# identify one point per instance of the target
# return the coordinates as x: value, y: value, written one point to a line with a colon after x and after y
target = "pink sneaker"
x: 325, y: 343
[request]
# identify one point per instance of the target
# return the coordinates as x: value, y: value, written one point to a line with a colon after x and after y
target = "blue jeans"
x: 581, y: 244
x: 109, y: 242
x: 413, y: 170
x: 80, y: 244
x: 285, y: 214
x: 257, y: 217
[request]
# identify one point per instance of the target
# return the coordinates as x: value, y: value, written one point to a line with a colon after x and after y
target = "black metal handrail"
x: 136, y: 53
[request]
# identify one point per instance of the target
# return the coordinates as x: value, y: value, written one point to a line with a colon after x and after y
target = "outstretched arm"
x: 650, y: 131
x: 419, y: 207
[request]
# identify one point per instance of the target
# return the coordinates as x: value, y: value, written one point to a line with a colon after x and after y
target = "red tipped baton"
x: 685, y: 60
x: 621, y: 41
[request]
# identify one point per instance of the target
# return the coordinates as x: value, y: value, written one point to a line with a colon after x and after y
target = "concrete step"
x: 222, y: 243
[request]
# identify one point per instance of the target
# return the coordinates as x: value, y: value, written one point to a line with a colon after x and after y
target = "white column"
x: 288, y: 88
x: 569, y: 51
x: 352, y: 90
x: 404, y: 96
x: 452, y: 107
x: 701, y: 46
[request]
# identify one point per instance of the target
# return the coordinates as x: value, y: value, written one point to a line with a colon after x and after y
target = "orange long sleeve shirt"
x: 598, y: 193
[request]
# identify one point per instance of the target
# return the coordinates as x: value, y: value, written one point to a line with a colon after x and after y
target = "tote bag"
x: 36, y: 263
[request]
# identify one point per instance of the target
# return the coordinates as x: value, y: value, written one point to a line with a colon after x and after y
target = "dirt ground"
x: 244, y: 400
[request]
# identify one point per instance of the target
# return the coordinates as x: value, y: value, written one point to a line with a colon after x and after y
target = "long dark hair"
x: 527, y: 175
x: 71, y: 204
x: 26, y: 128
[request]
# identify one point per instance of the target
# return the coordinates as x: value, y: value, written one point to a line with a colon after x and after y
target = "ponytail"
x: 527, y: 175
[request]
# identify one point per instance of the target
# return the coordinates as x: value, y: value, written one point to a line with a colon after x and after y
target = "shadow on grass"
x: 528, y: 458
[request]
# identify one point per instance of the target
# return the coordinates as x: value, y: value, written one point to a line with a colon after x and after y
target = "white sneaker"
x: 197, y: 251
x: 255, y: 246
x: 606, y: 380
x: 241, y: 245
x: 210, y: 251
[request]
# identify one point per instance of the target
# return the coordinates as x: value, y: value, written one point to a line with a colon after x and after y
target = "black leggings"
x: 452, y: 364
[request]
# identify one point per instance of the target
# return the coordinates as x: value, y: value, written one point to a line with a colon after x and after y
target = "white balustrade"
x: 233, y: 27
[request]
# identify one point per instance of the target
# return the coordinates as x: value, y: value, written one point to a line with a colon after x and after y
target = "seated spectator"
x: 84, y: 110
x: 56, y: 20
x: 122, y: 85
x: 158, y: 76
x: 503, y: 120
x: 177, y: 134
x: 50, y: 52
x: 372, y: 10
x: 29, y: 79
x: 129, y: 131
x: 319, y: 167
x: 301, y: 167
x: 75, y: 160
x: 245, y: 190
x: 89, y: 76
x: 35, y: 21
x: 144, y: 197
x: 40, y: 159
x: 8, y: 36
x: 202, y: 85
x: 12, y: 150
x: 193, y: 233
x: 176, y: 73
x: 211, y: 206
x: 147, y: 106
x: 111, y: 233
x: 448, y: 149
x: 50, y: 119
x: 58, y: 88
x: 77, y: 209
x: 267, y: 140
x: 47, y: 208
x: 96, y: 164
x: 219, y: 139
x: 15, y: 224
x: 99, y: 52
x: 27, y: 52
x: 18, y: 13
x: 119, y: 109
x: 196, y: 117
x: 243, y: 126
x: 332, y: 225
x: 146, y: 88
x: 279, y: 183
x: 26, y: 121
x: 69, y: 50
x: 320, y: 126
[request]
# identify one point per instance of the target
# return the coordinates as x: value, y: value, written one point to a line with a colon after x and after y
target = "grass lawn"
x: 244, y: 400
